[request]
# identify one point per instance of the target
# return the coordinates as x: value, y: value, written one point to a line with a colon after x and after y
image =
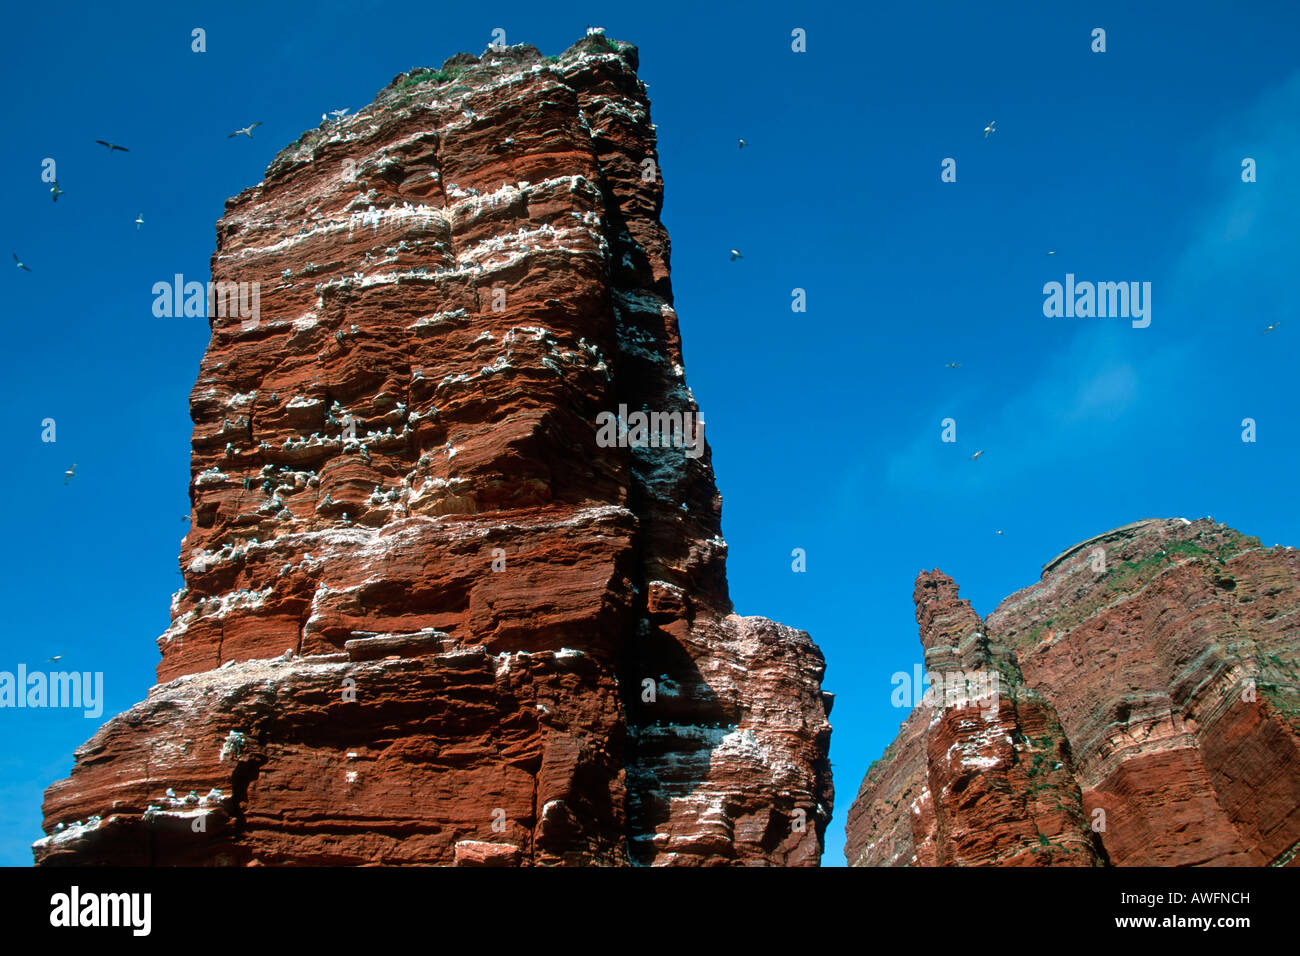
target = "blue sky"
x: 825, y: 426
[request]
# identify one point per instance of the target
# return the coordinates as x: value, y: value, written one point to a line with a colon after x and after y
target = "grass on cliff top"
x: 1133, y: 575
x: 599, y: 44
x: 424, y: 75
x: 1139, y: 569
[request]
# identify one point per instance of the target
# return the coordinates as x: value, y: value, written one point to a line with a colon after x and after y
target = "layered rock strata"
x: 1149, y: 714
x: 426, y: 616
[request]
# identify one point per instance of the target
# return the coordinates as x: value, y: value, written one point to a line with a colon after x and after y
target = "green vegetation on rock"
x: 424, y: 75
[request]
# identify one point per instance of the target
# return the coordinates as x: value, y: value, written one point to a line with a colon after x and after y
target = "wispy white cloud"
x: 1110, y: 384
x: 1248, y: 237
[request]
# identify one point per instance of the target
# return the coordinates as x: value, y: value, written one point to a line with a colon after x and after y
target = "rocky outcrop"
x: 1145, y: 710
x: 427, y: 616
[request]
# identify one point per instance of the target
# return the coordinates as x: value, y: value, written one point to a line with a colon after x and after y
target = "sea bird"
x: 1270, y: 328
x: 953, y: 365
x: 55, y: 191
x: 112, y: 146
x: 20, y: 264
x: 977, y: 454
x: 991, y: 128
x: 246, y: 131
x: 70, y: 473
x: 735, y: 254
x: 139, y: 221
x: 742, y: 143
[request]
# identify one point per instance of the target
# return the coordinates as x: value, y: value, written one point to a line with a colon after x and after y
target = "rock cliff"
x: 1139, y: 705
x: 427, y: 617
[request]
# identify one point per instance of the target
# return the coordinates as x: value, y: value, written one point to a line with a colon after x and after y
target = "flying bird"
x: 991, y: 128
x: 112, y: 146
x: 55, y: 659
x: 953, y: 365
x: 1270, y: 328
x: 19, y: 263
x: 1052, y: 253
x: 139, y: 221
x: 735, y: 254
x: 338, y: 114
x: 246, y: 131
x: 997, y: 532
x: 977, y: 454
x: 742, y: 143
x: 70, y: 473
x: 55, y: 191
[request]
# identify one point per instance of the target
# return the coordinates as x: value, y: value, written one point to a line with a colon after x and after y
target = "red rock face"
x: 1155, y: 714
x: 427, y: 617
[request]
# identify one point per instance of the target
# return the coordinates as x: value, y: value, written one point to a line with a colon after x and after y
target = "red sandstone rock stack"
x: 1149, y: 714
x: 426, y: 618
